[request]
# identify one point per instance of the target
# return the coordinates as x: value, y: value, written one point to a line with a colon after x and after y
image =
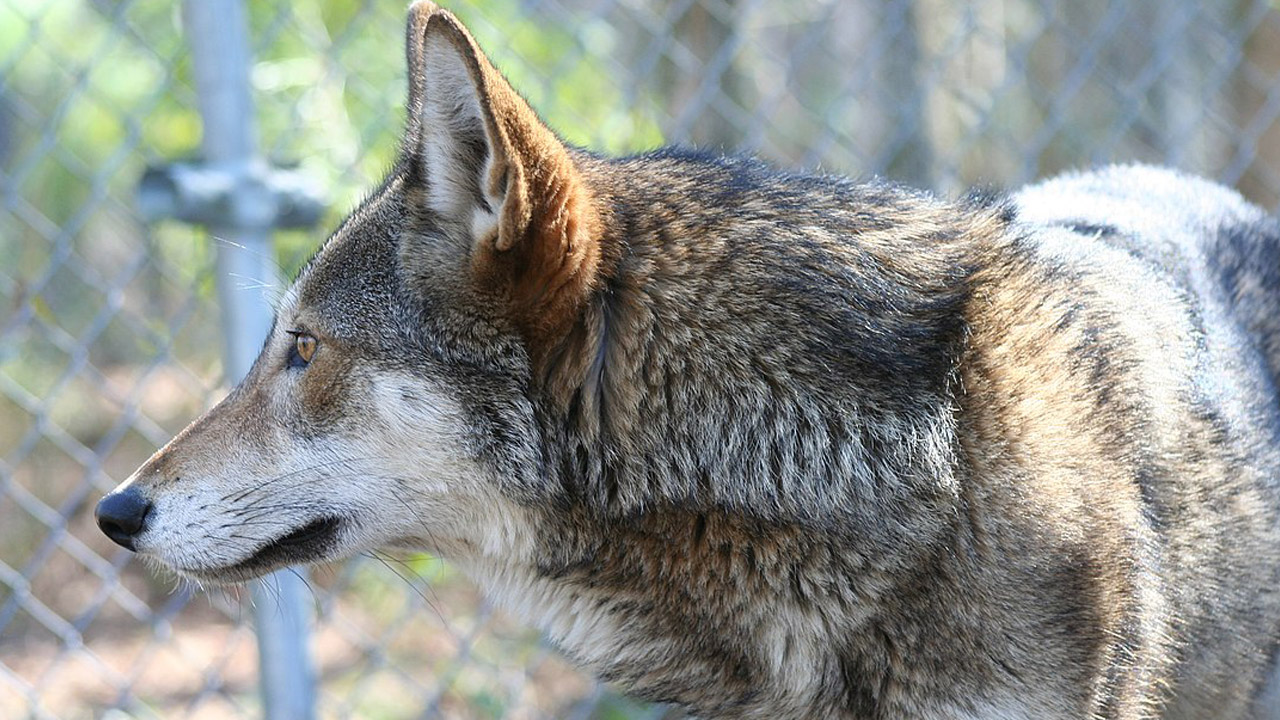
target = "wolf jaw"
x: 307, y: 544
x: 737, y: 438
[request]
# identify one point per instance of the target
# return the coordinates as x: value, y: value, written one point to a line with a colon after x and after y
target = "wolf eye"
x: 304, y: 348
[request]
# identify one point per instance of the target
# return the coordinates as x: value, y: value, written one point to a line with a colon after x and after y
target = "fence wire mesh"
x: 109, y: 337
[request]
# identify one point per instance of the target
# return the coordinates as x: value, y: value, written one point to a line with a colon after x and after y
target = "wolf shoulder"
x: 1198, y: 248
x: 1186, y: 227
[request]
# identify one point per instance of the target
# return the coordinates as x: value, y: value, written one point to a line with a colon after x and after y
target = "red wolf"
x: 769, y: 444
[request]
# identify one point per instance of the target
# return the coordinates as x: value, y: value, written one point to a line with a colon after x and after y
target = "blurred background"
x: 110, y: 335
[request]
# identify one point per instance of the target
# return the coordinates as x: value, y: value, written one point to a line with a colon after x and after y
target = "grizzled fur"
x: 777, y: 445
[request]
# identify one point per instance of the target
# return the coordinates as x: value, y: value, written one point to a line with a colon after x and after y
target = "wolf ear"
x: 489, y: 163
x: 462, y: 151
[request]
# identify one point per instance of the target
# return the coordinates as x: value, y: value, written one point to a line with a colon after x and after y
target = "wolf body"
x: 769, y: 444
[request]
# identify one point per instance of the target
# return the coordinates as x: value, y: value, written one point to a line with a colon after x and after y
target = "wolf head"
x: 390, y: 402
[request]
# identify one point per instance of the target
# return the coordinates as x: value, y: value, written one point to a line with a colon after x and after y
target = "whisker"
x: 250, y: 523
x: 224, y: 242
x: 299, y: 482
x: 422, y: 523
x: 315, y: 599
x: 386, y: 562
x: 236, y: 496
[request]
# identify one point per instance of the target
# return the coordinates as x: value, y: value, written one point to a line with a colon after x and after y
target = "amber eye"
x: 304, y: 348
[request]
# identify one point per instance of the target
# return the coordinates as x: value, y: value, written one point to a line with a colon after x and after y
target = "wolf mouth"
x: 308, y: 543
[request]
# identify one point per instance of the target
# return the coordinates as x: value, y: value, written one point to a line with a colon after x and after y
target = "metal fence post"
x: 217, y: 35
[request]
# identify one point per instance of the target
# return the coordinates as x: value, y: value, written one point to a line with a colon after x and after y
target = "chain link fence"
x: 109, y: 329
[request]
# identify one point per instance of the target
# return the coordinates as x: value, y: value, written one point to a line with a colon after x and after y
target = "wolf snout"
x: 122, y: 515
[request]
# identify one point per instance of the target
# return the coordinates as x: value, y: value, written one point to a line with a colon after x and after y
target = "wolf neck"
x: 789, y: 359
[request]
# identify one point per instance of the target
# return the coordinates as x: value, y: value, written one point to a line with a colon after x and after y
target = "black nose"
x: 122, y: 514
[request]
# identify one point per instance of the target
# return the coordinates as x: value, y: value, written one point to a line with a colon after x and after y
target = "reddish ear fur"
x: 544, y: 251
